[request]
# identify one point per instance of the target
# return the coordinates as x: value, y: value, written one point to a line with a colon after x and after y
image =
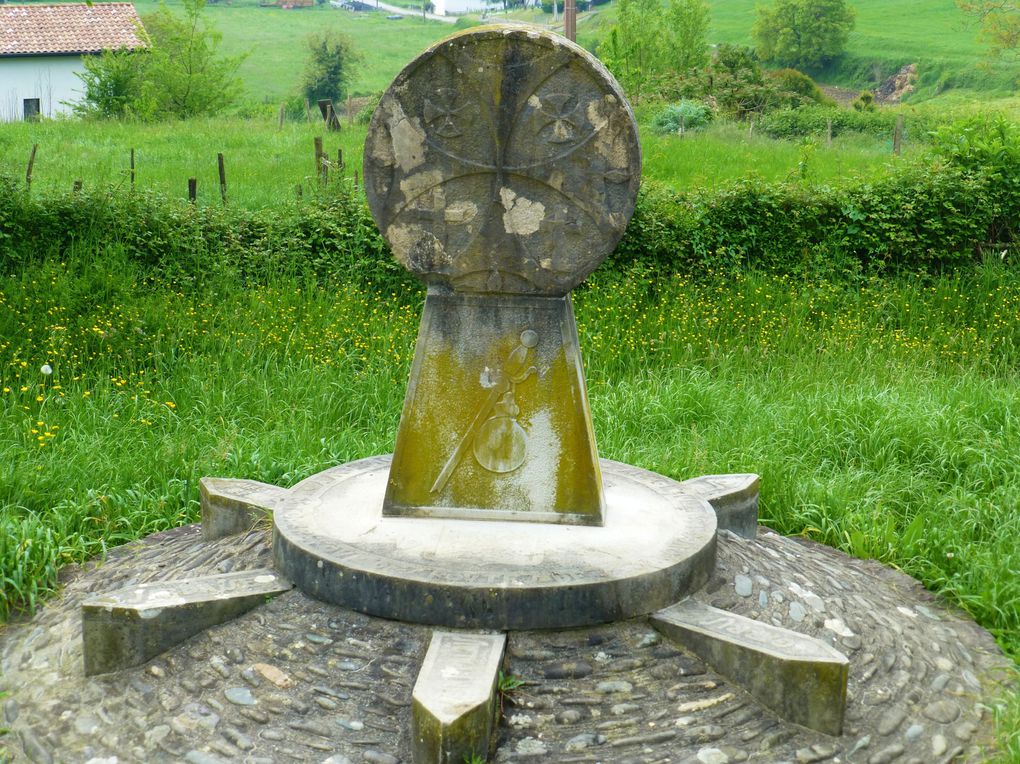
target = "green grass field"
x: 274, y: 40
x: 264, y: 163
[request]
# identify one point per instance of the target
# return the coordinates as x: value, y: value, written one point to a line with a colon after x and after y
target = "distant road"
x: 411, y: 12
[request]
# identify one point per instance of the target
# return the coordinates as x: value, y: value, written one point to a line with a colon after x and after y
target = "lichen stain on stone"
x: 523, y: 216
x: 461, y: 212
x: 610, y: 142
x: 408, y: 138
x: 417, y: 248
x: 415, y: 185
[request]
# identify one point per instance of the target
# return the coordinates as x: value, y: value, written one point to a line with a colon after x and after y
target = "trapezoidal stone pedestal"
x: 657, y: 544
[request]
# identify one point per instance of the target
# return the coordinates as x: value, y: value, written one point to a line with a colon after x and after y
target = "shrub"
x: 865, y: 101
x: 813, y: 120
x: 681, y: 117
x: 364, y: 115
x: 802, y: 88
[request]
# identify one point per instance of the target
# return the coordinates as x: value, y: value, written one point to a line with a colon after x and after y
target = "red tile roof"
x: 34, y: 30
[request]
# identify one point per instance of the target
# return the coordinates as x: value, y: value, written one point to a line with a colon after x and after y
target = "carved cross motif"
x: 443, y: 110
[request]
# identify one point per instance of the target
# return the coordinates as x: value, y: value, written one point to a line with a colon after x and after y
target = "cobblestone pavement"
x: 299, y: 680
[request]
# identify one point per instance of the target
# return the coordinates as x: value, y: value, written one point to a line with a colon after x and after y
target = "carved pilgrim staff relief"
x: 498, y: 441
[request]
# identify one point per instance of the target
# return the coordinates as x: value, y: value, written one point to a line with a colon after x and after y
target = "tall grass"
x: 864, y: 407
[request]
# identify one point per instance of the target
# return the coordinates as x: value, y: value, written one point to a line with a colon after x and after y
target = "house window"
x: 31, y: 109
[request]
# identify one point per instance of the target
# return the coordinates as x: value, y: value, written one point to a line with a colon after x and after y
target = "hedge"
x: 921, y: 219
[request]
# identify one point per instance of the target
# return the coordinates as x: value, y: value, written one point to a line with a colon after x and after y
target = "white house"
x: 42, y: 47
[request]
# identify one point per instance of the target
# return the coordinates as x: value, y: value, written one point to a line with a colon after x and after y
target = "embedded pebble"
x: 614, y: 686
x: 914, y: 731
x: 351, y: 724
x: 942, y: 711
x: 886, y: 755
x: 939, y: 745
x: 712, y: 756
x: 743, y: 586
x: 582, y: 741
x: 240, y: 696
x: 378, y: 757
x: 797, y: 611
x: 530, y: 746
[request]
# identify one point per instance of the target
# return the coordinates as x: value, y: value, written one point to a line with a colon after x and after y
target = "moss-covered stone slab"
x: 734, y: 499
x: 235, y: 506
x: 453, y: 706
x: 800, y: 678
x: 127, y: 627
x: 496, y: 423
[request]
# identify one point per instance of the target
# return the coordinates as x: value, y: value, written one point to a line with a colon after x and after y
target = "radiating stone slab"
x: 332, y: 540
x: 234, y: 506
x: 454, y: 700
x: 799, y: 677
x: 734, y: 499
x: 127, y: 627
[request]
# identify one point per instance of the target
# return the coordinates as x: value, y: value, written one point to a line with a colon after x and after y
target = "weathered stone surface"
x: 503, y: 160
x: 453, y: 710
x: 127, y: 627
x: 331, y: 540
x: 496, y: 422
x: 802, y: 679
x: 52, y: 706
x: 502, y: 166
x: 235, y: 506
x: 734, y: 499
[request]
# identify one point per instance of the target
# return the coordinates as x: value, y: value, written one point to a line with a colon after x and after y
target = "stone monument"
x: 502, y: 166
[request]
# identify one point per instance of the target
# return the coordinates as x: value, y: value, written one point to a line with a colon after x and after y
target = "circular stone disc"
x: 657, y: 545
x: 503, y: 160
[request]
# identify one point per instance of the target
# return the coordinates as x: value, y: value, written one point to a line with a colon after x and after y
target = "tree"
x: 331, y: 65
x: 803, y: 33
x: 185, y: 77
x: 1000, y: 23
x: 649, y: 41
x: 177, y: 75
x: 113, y: 84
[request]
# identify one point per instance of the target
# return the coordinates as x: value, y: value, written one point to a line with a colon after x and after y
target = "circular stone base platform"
x: 298, y: 680
x: 657, y: 545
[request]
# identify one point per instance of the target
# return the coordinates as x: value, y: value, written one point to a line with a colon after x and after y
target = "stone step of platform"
x: 734, y: 499
x: 799, y: 677
x: 235, y: 506
x: 128, y: 627
x: 454, y: 701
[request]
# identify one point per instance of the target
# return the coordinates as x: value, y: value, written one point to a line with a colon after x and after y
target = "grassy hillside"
x: 936, y: 34
x: 274, y: 40
x: 890, y: 33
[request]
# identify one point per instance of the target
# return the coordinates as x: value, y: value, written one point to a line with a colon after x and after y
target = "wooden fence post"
x: 320, y: 164
x: 31, y: 164
x: 132, y: 170
x: 282, y: 117
x: 192, y: 189
x: 76, y: 188
x: 828, y: 132
x: 897, y: 138
x: 223, y: 178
